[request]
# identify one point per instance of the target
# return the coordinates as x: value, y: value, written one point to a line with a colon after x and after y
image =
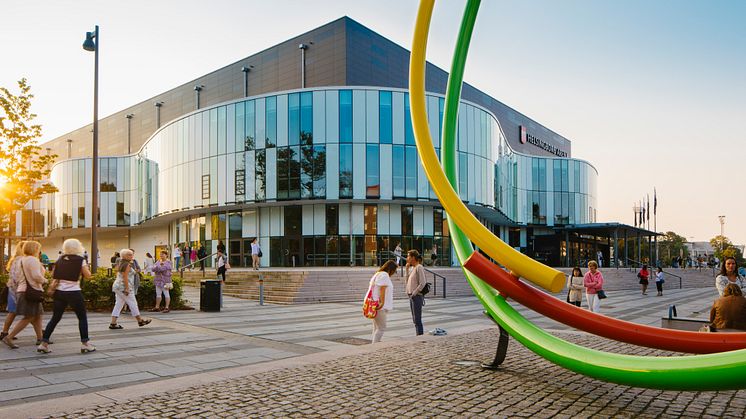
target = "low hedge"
x: 99, y: 297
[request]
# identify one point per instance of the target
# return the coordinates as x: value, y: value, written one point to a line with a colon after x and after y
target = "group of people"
x: 27, y: 278
x: 382, y: 290
x: 189, y: 255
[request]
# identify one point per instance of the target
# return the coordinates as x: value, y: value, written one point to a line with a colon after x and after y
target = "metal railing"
x: 181, y: 269
x: 677, y: 276
x: 393, y: 256
x: 435, y: 282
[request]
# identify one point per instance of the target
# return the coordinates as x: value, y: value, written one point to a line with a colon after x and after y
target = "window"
x: 222, y: 127
x: 371, y: 219
x: 385, y: 125
x: 293, y: 219
x: 283, y: 172
x: 345, y: 170
x: 240, y: 185
x: 407, y: 220
x: 345, y: 116
x: 235, y: 226
x: 397, y: 170
x: 294, y: 119
x: 306, y: 118
x: 438, y: 222
x: 294, y: 172
x: 261, y: 174
x: 332, y: 220
x: 372, y: 172
x: 250, y: 126
x: 213, y: 127
x: 240, y: 123
x: 205, y: 186
x: 271, y: 122
x: 408, y: 134
x: 411, y: 171
x: 313, y: 171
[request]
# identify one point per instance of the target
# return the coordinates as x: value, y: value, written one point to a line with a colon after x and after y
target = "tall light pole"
x: 91, y: 45
x: 721, y: 218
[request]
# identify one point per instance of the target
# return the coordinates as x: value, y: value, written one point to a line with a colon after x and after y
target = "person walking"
x: 29, y: 293
x: 222, y: 264
x: 221, y: 246
x: 659, y: 281
x: 728, y: 275
x: 397, y: 253
x: 593, y: 282
x: 162, y: 282
x: 201, y: 254
x: 114, y: 259
x: 256, y: 253
x: 138, y: 272
x: 644, y: 276
x: 434, y: 254
x: 192, y: 257
x: 147, y: 264
x: 575, y: 287
x: 65, y: 289
x: 123, y: 288
x: 14, y: 276
x: 177, y: 256
x: 415, y: 283
x: 382, y: 291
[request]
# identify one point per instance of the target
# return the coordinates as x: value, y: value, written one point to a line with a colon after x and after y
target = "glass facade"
x: 329, y: 159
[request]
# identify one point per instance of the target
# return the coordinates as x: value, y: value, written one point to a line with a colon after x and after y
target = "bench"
x: 692, y: 324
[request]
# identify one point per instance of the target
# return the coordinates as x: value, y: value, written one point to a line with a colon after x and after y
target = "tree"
x: 671, y: 245
x: 723, y: 248
x: 22, y: 166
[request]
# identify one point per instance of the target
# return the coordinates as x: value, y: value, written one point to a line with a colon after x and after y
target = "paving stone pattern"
x: 422, y: 379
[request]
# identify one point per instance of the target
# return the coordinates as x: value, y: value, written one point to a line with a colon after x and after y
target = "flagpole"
x: 655, y: 220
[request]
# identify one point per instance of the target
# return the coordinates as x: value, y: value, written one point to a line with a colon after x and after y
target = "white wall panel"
x: 344, y: 219
x: 332, y: 171
x: 319, y: 219
x: 472, y: 175
x: 428, y: 221
x: 264, y: 223
x: 282, y: 120
x: 358, y: 218
x: 230, y: 178
x: 249, y: 227
x: 250, y: 176
x: 319, y: 118
x: 422, y: 185
x: 358, y: 116
x: 275, y: 221
x: 433, y: 117
x: 332, y: 116
x: 358, y: 171
x: 383, y: 219
x: 395, y: 219
x: 307, y: 220
x: 397, y: 107
x: 418, y: 220
x: 231, y: 125
x: 260, y: 117
x: 221, y: 180
x: 371, y: 113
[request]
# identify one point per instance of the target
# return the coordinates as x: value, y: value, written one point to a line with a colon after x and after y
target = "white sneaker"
x: 87, y: 347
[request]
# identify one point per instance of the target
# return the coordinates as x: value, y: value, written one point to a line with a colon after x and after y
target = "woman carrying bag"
x: 575, y: 286
x: 30, y: 293
x: 381, y: 289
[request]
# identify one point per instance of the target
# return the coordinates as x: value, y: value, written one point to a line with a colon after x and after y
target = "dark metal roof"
x: 607, y: 229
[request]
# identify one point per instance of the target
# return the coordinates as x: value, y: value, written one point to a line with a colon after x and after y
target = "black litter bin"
x: 209, y: 296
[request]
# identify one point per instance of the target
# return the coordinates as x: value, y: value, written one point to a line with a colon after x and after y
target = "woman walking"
x: 66, y: 291
x: 575, y: 287
x: 415, y: 284
x: 256, y: 253
x: 14, y: 275
x: 644, y: 276
x: 728, y: 275
x: 383, y: 292
x: 162, y: 282
x: 659, y: 281
x: 30, y: 293
x: 123, y: 289
x: 192, y: 257
x: 593, y: 281
x: 147, y: 264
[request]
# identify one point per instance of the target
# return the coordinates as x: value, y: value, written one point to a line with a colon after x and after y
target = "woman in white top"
x: 383, y: 292
x: 575, y: 287
x: 123, y: 288
x: 728, y: 275
x: 255, y: 252
x: 147, y: 265
x: 14, y: 275
x: 32, y: 276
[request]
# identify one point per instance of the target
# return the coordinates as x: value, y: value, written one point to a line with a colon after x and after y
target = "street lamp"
x: 92, y: 43
x: 722, y: 224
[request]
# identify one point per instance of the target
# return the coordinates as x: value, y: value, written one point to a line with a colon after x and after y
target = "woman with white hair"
x: 124, y: 290
x: 65, y: 289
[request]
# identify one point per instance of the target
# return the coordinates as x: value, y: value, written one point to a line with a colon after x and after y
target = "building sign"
x: 528, y: 138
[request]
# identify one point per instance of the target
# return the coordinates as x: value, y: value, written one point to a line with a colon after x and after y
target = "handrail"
x: 181, y: 270
x: 677, y: 276
x: 435, y: 282
x: 396, y: 259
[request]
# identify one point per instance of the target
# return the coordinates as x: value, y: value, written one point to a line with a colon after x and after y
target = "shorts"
x: 643, y: 281
x: 11, y: 302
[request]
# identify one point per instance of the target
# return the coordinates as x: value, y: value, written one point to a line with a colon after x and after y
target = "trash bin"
x: 209, y: 295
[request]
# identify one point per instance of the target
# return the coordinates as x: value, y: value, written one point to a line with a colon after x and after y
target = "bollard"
x: 261, y: 290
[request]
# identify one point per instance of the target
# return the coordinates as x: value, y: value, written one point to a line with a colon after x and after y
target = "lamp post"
x: 91, y: 45
x: 721, y: 218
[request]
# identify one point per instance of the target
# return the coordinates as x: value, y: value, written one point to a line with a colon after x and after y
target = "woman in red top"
x: 593, y: 281
x: 644, y: 275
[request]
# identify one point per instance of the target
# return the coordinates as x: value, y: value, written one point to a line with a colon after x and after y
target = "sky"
x: 653, y: 94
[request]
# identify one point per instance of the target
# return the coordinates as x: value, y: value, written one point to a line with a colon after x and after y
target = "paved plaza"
x: 307, y: 360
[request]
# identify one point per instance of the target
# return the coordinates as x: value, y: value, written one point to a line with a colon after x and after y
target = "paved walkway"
x: 182, y: 349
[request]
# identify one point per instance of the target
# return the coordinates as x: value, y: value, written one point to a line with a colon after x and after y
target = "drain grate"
x: 348, y: 340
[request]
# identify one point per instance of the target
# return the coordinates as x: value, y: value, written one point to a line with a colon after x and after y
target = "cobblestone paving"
x: 421, y: 379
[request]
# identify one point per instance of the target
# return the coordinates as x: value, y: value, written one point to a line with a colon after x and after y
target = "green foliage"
x: 671, y: 246
x: 724, y: 248
x: 99, y: 297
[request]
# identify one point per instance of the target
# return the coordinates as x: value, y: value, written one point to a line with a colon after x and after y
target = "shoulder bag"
x: 370, y: 306
x: 601, y: 294
x: 32, y: 294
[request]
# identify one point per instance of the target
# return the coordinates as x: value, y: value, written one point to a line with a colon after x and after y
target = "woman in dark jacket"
x: 65, y: 287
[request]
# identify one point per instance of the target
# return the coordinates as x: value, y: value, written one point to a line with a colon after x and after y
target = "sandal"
x: 114, y: 326
x: 166, y: 310
x: 10, y: 343
x: 144, y: 322
x: 155, y: 310
x: 43, y: 348
x: 87, y: 347
x: 3, y: 335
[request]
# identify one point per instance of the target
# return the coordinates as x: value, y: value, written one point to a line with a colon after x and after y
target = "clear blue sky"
x: 653, y: 93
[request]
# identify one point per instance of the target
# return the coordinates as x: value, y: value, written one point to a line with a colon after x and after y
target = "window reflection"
x: 345, y: 170
x: 271, y: 122
x: 345, y: 116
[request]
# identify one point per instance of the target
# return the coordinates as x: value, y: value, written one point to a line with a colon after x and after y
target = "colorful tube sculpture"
x: 702, y: 372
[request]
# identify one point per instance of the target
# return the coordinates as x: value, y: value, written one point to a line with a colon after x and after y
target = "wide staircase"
x: 335, y: 284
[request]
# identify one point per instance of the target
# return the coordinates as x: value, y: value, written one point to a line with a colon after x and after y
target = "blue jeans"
x: 415, y: 304
x: 177, y: 259
x: 61, y: 300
